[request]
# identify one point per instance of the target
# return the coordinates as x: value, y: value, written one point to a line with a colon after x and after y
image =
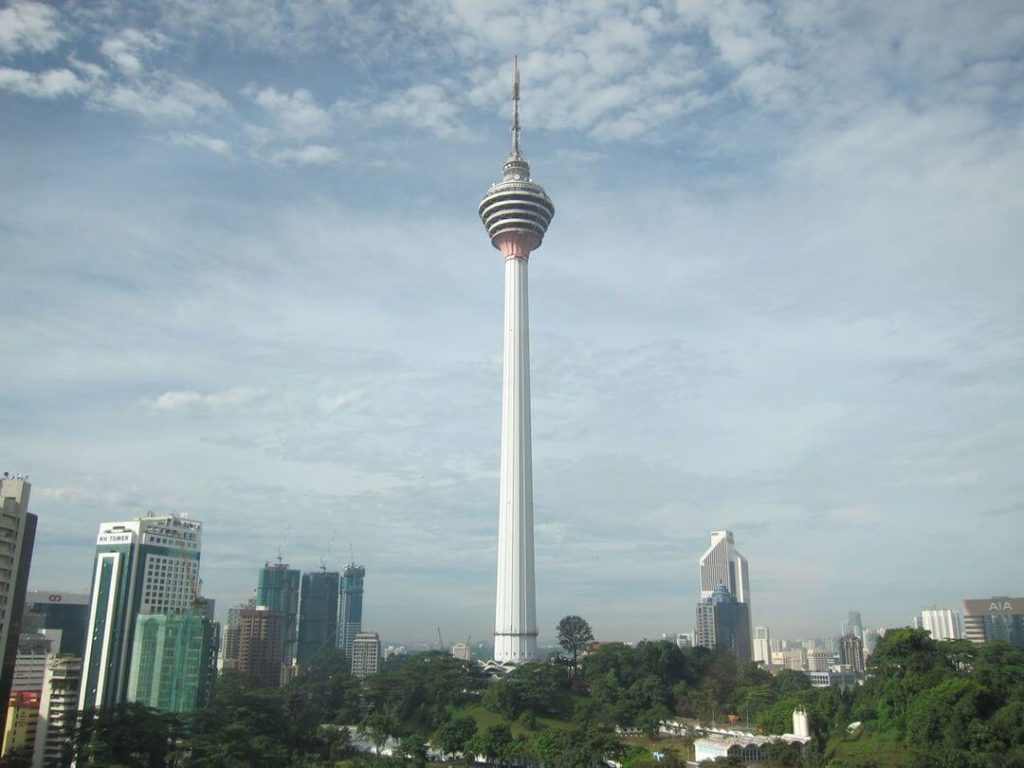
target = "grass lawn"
x: 866, y: 749
x: 484, y: 717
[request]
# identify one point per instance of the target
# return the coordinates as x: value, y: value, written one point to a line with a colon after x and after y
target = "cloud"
x: 310, y: 154
x: 127, y: 47
x: 162, y: 96
x: 297, y: 115
x: 425, y: 106
x: 49, y: 84
x: 179, y: 400
x: 29, y: 26
x: 202, y: 141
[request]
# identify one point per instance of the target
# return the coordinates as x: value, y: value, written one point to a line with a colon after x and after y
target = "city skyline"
x: 786, y: 300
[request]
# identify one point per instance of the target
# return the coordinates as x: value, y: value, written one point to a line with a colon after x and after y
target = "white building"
x: 58, y: 710
x: 942, y: 623
x: 722, y: 564
x: 365, y: 654
x: 462, y: 651
x: 762, y: 645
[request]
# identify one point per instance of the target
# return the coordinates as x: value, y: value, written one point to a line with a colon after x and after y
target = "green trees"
x: 128, y: 735
x: 454, y: 735
x: 574, y: 635
x: 538, y: 688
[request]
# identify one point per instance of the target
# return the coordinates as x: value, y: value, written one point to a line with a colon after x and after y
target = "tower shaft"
x: 515, y: 623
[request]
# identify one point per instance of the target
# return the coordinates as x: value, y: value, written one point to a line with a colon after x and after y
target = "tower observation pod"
x: 516, y: 212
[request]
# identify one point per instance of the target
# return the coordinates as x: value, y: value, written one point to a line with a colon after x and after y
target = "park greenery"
x: 925, y: 704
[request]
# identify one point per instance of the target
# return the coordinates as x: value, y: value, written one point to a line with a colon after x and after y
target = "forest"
x: 925, y: 704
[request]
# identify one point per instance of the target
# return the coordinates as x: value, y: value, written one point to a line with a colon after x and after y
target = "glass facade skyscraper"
x: 351, y: 619
x: 318, y: 613
x: 173, y: 661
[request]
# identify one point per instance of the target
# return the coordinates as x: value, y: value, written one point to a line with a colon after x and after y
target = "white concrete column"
x: 515, y: 624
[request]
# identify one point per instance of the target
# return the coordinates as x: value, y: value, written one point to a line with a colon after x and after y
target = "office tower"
x: 722, y: 564
x: 261, y: 645
x: 365, y: 654
x: 318, y: 613
x: 762, y: 645
x: 819, y: 660
x: 851, y: 652
x: 350, y: 623
x: 57, y: 712
x: 147, y: 565
x: 67, y: 612
x: 17, y: 538
x: 724, y: 621
x: 997, y: 618
x: 278, y: 590
x: 941, y: 623
x: 516, y: 212
x: 172, y: 661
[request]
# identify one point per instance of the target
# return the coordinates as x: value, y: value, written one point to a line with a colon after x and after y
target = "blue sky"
x: 783, y: 293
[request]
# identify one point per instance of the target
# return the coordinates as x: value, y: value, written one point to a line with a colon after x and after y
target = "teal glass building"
x: 318, y: 613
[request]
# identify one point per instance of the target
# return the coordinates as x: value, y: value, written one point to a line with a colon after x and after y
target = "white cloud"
x: 297, y: 115
x: 424, y: 106
x: 202, y: 141
x: 163, y: 96
x: 43, y: 85
x: 190, y: 400
x: 29, y: 26
x: 310, y: 154
x: 127, y: 47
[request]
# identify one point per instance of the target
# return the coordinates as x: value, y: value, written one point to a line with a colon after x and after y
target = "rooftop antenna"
x: 351, y: 554
x: 280, y: 545
x: 516, y: 150
x: 326, y: 554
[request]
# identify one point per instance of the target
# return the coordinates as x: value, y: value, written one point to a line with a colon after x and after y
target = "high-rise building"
x: 17, y: 539
x: 57, y: 712
x: 762, y: 645
x: 851, y: 653
x: 941, y: 623
x: 66, y: 612
x: 997, y: 618
x: 722, y: 564
x: 350, y: 622
x: 143, y: 566
x: 260, y: 645
x: 318, y: 613
x: 173, y: 661
x: 516, y: 212
x: 278, y: 590
x: 723, y: 621
x: 365, y: 654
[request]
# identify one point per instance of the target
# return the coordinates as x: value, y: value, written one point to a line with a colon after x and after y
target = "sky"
x: 783, y: 293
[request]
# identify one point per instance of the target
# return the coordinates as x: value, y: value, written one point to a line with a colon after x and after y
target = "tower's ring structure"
x: 517, y: 206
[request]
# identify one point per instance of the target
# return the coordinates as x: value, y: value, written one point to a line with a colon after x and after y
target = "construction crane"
x: 440, y: 642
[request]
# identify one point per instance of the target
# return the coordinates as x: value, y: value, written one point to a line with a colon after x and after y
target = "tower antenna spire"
x: 516, y: 149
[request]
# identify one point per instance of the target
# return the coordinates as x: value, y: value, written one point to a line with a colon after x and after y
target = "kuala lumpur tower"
x: 516, y: 212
